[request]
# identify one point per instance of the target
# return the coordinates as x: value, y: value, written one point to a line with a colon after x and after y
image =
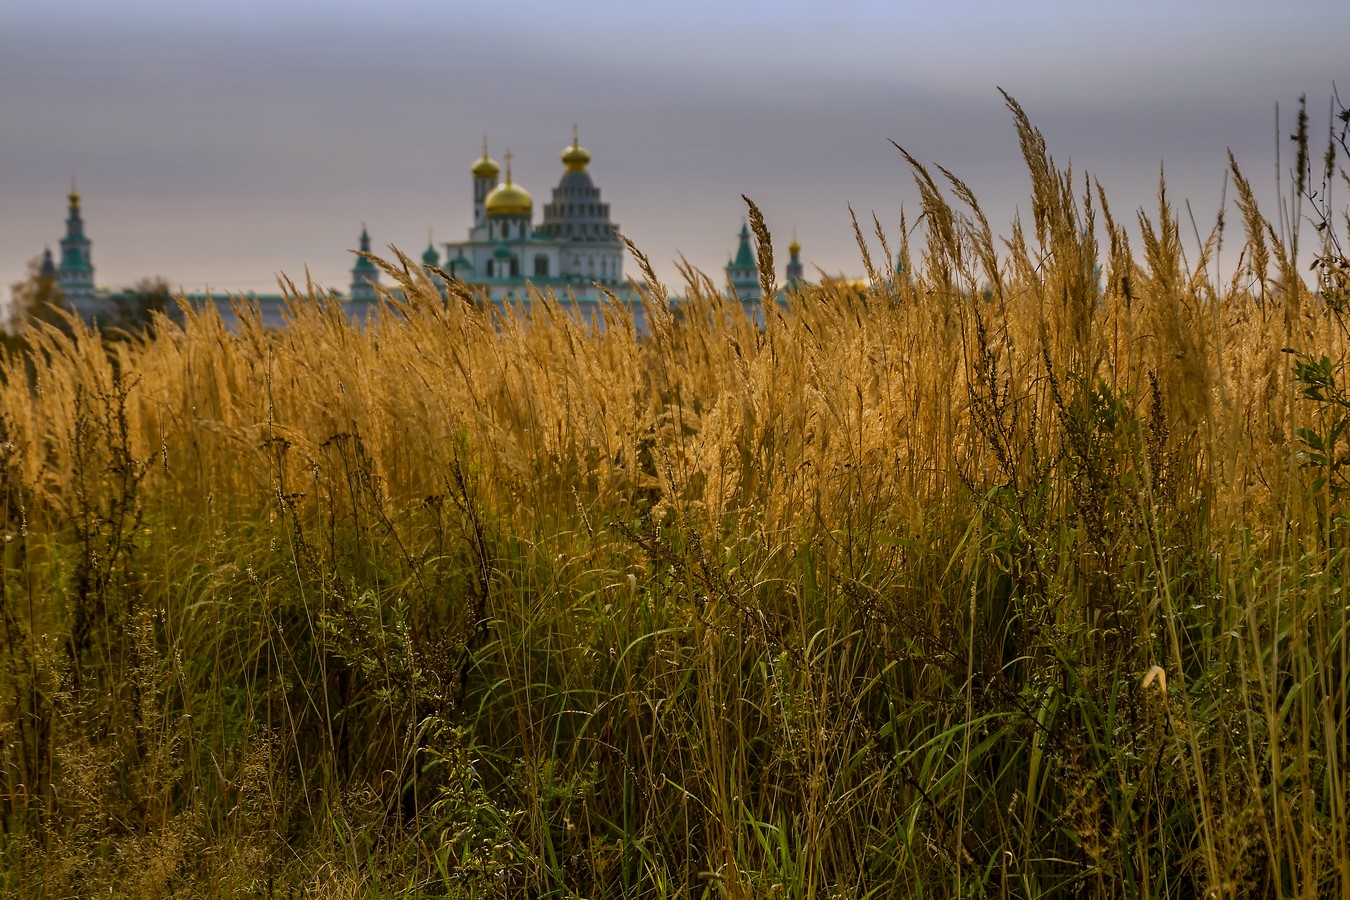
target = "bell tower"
x: 485, y: 172
x: 76, y: 274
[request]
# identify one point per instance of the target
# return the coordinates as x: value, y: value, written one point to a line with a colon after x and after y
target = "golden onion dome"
x: 486, y: 167
x: 575, y: 157
x: 794, y: 248
x: 508, y: 199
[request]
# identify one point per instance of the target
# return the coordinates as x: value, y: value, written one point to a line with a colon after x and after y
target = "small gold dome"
x: 576, y: 156
x: 486, y: 167
x: 794, y: 248
x: 509, y: 199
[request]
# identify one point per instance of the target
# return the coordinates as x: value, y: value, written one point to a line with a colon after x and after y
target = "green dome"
x: 430, y: 257
x: 501, y: 251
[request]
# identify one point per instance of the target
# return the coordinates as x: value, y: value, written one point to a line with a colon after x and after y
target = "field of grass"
x: 1020, y: 574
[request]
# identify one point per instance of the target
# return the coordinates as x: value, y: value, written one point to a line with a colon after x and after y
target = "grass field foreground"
x: 1021, y: 572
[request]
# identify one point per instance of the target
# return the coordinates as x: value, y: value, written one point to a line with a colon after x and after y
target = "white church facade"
x: 573, y: 250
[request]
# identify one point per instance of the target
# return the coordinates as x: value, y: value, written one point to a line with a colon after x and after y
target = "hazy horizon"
x: 225, y: 145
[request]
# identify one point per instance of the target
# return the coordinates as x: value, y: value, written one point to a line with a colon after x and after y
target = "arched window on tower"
x: 492, y: 268
x: 541, y: 266
x: 515, y: 267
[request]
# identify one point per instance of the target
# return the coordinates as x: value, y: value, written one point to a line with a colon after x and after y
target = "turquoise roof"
x: 430, y: 257
x: 362, y: 263
x: 501, y: 251
x: 745, y: 257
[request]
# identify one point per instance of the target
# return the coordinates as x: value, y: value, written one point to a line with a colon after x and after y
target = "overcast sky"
x: 224, y: 143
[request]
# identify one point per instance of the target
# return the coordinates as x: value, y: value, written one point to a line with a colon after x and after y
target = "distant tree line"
x: 38, y: 298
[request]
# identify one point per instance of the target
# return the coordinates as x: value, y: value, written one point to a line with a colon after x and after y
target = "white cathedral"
x: 574, y: 251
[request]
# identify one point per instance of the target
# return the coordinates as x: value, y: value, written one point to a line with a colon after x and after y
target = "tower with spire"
x: 743, y: 271
x: 76, y: 273
x: 365, y: 274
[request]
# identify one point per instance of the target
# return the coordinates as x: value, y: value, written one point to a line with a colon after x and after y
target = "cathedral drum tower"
x: 580, y: 222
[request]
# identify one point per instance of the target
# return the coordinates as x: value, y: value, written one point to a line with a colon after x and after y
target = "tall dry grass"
x: 1019, y: 573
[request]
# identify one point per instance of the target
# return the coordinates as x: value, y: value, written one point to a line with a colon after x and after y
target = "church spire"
x: 743, y: 271
x: 365, y: 274
x: 76, y: 274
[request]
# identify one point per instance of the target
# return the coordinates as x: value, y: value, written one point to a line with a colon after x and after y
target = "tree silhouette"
x: 38, y: 297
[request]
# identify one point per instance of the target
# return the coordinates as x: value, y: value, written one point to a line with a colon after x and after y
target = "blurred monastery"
x: 573, y: 251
